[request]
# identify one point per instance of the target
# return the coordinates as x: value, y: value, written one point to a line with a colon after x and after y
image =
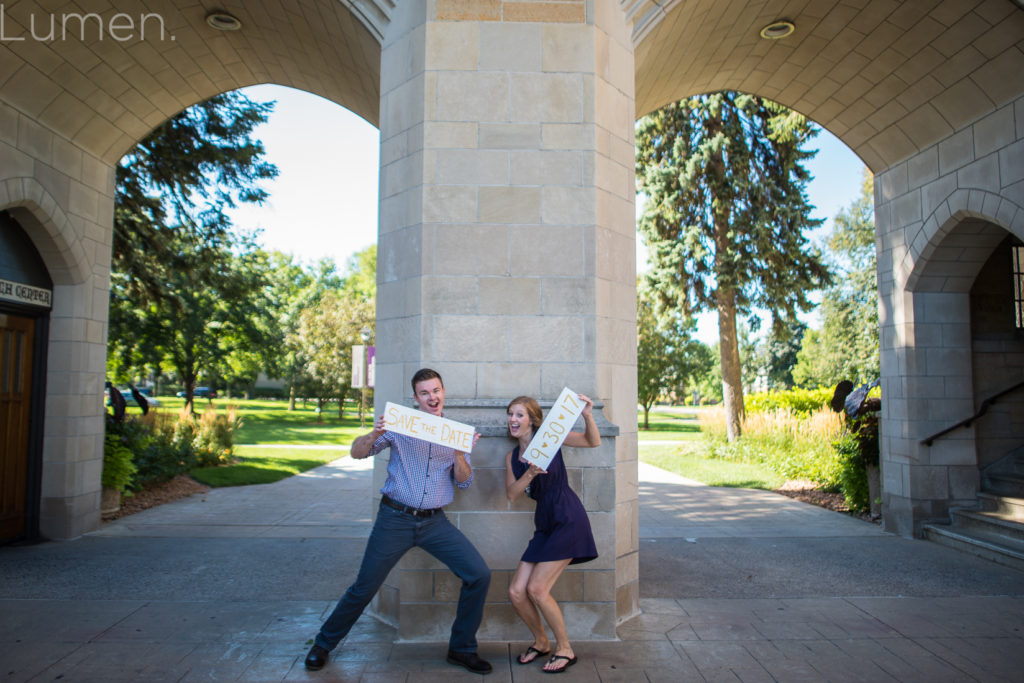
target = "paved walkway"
x: 736, y: 585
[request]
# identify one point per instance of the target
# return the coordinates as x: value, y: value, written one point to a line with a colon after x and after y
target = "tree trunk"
x: 647, y: 411
x: 291, y: 397
x: 732, y: 372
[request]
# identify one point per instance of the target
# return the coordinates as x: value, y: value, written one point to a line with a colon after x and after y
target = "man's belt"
x: 415, y: 512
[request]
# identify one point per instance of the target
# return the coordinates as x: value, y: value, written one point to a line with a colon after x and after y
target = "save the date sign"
x: 554, y: 429
x: 421, y: 425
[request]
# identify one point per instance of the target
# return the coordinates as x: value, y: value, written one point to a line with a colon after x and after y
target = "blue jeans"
x: 394, y: 533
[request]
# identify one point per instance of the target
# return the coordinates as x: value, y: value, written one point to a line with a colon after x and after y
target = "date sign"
x: 420, y: 425
x: 554, y: 429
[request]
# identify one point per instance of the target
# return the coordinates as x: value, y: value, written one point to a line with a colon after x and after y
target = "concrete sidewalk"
x: 735, y: 585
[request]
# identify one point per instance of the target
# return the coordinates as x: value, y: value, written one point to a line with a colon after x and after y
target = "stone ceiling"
x: 889, y: 78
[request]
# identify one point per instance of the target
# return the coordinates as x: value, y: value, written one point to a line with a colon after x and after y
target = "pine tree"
x: 726, y: 214
x: 180, y: 181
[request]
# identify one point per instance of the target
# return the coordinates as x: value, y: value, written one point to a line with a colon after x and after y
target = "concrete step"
x: 990, y: 524
x: 1004, y: 484
x: 1006, y: 507
x: 980, y: 544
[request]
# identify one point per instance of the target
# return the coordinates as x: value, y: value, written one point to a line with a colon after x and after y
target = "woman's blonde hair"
x: 532, y: 410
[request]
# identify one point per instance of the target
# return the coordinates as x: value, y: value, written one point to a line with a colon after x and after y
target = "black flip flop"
x: 530, y: 649
x: 569, y: 662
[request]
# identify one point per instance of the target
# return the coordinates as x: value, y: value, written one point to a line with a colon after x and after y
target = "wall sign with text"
x: 556, y: 426
x: 421, y: 425
x: 25, y: 294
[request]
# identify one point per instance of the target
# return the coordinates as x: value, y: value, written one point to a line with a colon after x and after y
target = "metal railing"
x: 982, y: 409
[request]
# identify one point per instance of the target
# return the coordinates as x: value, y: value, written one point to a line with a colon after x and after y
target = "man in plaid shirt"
x: 422, y: 478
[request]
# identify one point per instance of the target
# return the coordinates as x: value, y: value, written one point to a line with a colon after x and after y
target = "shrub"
x: 853, y: 475
x: 118, y: 468
x: 857, y: 448
x: 157, y: 447
x: 215, y: 436
x: 799, y: 400
x: 169, y: 451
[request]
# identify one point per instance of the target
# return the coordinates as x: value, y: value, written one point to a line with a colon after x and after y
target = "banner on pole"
x: 421, y: 425
x: 556, y: 426
x: 363, y: 357
x: 358, y: 351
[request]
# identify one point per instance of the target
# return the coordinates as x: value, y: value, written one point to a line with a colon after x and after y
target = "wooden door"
x: 15, y: 399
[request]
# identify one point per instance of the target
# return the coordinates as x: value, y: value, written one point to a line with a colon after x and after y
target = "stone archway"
x: 507, y: 124
x: 71, y: 105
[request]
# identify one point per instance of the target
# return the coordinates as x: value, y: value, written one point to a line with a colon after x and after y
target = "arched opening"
x: 997, y: 356
x: 246, y: 343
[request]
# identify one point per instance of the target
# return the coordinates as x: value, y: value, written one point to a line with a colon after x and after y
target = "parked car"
x: 129, y: 399
x: 152, y: 400
x: 200, y: 392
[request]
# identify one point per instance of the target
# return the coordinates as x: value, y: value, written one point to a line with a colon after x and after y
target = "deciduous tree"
x: 846, y: 347
x: 668, y: 359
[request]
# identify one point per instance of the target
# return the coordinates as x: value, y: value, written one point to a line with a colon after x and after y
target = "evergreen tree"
x: 725, y: 216
x: 180, y: 181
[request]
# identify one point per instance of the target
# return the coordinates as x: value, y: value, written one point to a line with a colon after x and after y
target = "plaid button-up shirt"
x: 420, y: 474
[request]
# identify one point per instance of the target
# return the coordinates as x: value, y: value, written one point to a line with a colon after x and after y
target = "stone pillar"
x: 506, y: 261
x: 63, y: 197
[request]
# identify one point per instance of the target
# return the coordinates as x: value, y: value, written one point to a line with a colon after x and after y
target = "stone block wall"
x: 63, y: 197
x: 939, y: 215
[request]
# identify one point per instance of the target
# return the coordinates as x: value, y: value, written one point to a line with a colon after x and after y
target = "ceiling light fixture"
x: 222, y: 21
x: 777, y: 29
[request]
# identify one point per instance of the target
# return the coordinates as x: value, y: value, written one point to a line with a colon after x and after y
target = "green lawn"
x: 269, y: 422
x: 686, y: 460
x: 256, y: 465
x: 667, y: 424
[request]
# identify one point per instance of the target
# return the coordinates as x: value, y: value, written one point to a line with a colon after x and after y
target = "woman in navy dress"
x: 562, y: 536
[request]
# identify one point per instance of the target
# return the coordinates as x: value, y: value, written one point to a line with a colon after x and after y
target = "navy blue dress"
x: 562, y: 527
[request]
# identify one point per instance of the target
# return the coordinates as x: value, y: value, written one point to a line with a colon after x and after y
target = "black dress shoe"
x: 316, y: 658
x: 471, y: 661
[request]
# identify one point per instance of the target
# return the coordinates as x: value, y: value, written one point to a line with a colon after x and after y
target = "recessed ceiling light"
x: 777, y: 29
x: 222, y: 21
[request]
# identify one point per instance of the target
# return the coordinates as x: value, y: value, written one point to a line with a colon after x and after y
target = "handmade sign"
x: 421, y: 425
x: 556, y: 426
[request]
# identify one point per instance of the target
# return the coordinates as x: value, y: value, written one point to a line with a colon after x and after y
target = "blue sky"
x: 324, y: 202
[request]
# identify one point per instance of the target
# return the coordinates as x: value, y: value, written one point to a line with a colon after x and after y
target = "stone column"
x: 506, y: 261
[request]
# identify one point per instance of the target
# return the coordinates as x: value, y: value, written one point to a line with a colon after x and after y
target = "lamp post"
x: 365, y: 335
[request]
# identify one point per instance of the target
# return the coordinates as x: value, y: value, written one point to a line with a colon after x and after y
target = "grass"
x: 270, y: 423
x: 688, y: 457
x: 687, y: 460
x: 256, y: 465
x: 291, y: 433
x: 668, y: 424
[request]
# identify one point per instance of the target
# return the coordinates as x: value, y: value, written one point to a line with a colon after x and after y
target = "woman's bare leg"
x: 527, y: 611
x: 538, y: 587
